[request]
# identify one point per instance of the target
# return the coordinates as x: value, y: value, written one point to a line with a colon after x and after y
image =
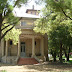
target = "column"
x: 6, y: 48
x: 33, y: 47
x: 19, y: 47
x: 42, y: 46
x: 2, y: 46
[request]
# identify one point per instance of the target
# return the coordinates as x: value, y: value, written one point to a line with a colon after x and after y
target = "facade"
x: 30, y: 44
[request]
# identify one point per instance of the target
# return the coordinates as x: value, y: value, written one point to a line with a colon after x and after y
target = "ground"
x: 37, y: 68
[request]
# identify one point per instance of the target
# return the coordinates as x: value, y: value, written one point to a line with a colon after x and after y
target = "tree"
x: 55, y: 23
x: 7, y: 19
x: 53, y: 47
x: 62, y: 6
x: 59, y: 38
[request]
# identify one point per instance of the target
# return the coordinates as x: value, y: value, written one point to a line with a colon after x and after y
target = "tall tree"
x: 54, y: 19
x: 7, y: 16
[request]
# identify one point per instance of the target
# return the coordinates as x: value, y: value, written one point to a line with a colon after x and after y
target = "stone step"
x: 26, y: 61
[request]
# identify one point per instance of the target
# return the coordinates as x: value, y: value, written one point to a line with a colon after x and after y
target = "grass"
x: 69, y: 62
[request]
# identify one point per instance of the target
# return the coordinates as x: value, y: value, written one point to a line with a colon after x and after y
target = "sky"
x: 29, y: 5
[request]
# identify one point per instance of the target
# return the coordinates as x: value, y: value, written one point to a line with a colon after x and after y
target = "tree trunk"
x: 46, y: 49
x: 68, y: 54
x: 54, y: 57
x: 0, y: 25
x: 0, y: 33
x: 65, y: 52
x: 68, y: 57
x: 60, y: 52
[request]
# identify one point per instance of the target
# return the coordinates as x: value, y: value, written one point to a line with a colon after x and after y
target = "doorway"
x: 23, y: 54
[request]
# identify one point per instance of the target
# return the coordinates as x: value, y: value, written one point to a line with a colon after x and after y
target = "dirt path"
x: 36, y: 68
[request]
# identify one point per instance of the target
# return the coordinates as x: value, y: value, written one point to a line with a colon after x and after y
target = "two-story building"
x: 30, y: 45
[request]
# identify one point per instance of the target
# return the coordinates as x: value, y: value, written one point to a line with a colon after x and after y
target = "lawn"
x: 69, y: 62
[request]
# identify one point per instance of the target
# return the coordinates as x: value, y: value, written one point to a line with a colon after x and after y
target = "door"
x: 23, y: 49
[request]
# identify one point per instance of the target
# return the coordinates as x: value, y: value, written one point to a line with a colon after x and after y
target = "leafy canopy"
x: 8, y: 21
x: 56, y: 21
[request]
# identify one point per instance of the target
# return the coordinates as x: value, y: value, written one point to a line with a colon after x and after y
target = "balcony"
x: 25, y: 27
x: 25, y: 24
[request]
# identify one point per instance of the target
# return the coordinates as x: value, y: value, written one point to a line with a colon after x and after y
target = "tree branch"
x: 5, y: 27
x: 19, y: 0
x: 66, y: 14
x: 16, y: 3
x: 7, y: 32
x: 9, y: 25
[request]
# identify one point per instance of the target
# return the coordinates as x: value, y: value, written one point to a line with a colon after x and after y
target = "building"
x: 31, y: 44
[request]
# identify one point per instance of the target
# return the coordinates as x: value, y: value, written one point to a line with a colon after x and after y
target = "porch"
x: 28, y: 46
x: 31, y: 45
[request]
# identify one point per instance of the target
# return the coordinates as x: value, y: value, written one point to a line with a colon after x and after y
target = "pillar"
x: 33, y: 47
x: 2, y: 46
x: 6, y: 48
x: 19, y: 47
x: 42, y: 46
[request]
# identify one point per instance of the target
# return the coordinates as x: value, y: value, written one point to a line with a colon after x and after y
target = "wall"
x: 37, y: 47
x: 28, y: 43
x: 12, y: 49
x: 0, y: 50
x: 33, y: 12
x: 29, y: 21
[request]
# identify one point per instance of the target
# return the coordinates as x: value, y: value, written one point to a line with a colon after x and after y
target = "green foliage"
x: 20, y: 2
x: 3, y: 71
x: 12, y: 35
x: 40, y: 26
x: 56, y: 21
x: 8, y: 20
x: 60, y: 6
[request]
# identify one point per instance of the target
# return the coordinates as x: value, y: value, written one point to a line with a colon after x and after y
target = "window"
x: 23, y: 23
x: 35, y: 43
x: 10, y: 42
x: 31, y: 12
x: 35, y: 13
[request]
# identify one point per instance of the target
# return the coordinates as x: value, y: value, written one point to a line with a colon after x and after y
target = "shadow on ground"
x: 51, y: 67
x: 38, y: 67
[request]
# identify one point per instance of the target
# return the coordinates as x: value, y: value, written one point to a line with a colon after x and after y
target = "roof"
x: 25, y: 15
x: 31, y: 10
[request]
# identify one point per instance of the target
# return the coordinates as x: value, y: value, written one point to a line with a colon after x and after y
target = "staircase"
x: 26, y: 61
